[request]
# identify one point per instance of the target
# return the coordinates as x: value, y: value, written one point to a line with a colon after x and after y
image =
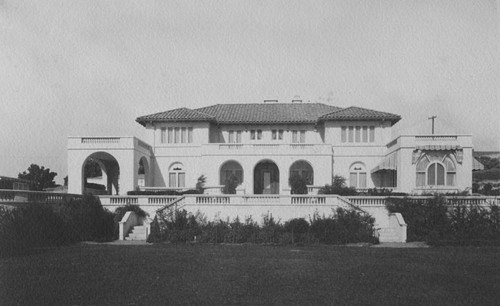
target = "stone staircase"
x: 138, y: 233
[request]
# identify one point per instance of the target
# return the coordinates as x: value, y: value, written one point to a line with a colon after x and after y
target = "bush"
x: 231, y: 184
x: 436, y: 222
x: 298, y: 184
x: 42, y: 225
x: 298, y: 228
x: 338, y: 187
x: 345, y: 226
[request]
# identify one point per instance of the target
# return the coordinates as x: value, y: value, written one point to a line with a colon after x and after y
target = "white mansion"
x: 263, y: 144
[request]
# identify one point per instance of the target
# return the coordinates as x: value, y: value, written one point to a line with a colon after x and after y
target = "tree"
x: 92, y: 168
x: 200, y: 184
x: 41, y: 177
x: 298, y: 184
x: 231, y: 183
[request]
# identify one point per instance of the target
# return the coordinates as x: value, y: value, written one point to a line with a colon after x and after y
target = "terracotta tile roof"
x: 268, y: 113
x: 179, y: 114
x: 259, y: 113
x: 358, y: 113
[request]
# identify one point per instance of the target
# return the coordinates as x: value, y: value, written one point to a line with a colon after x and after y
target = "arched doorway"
x: 230, y: 176
x: 229, y: 169
x: 100, y: 174
x: 266, y: 178
x: 143, y: 173
x: 304, y: 170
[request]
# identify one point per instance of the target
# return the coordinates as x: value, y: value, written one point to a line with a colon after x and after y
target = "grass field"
x: 250, y: 274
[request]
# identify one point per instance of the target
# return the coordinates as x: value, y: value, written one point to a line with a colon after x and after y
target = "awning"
x: 476, y: 165
x: 441, y: 147
x: 388, y: 163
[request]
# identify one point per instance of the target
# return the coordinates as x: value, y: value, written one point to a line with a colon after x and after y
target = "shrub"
x: 427, y: 219
x: 297, y: 228
x: 41, y: 225
x: 231, y: 184
x: 200, y: 184
x: 345, y: 226
x: 298, y: 184
x: 436, y: 222
x: 338, y: 187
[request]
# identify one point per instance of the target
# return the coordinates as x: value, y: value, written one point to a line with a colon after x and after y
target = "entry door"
x: 267, y: 182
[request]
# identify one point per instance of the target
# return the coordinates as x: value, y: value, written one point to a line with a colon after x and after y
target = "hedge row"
x: 344, y: 226
x: 42, y: 225
x: 436, y: 222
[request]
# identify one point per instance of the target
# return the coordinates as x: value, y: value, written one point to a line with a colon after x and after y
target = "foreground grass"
x: 250, y: 274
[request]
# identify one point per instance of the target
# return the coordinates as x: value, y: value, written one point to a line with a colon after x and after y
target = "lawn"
x: 250, y: 274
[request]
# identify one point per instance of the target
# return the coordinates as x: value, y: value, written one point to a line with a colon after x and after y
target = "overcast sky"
x: 91, y: 67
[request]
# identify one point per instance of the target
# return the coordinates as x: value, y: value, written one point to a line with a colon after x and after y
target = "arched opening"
x: 304, y: 170
x: 357, y: 175
x: 177, y: 176
x: 435, y: 171
x: 266, y: 178
x: 143, y: 173
x: 229, y: 169
x: 100, y: 174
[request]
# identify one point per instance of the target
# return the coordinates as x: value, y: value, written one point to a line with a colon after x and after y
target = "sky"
x: 88, y: 68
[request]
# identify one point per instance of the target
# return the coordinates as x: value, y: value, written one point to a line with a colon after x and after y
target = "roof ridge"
x: 335, y: 111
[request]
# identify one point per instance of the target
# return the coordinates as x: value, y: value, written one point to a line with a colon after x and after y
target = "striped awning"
x: 440, y: 147
x: 389, y: 162
x: 476, y: 165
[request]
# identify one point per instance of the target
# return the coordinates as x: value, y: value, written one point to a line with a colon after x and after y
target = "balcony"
x: 431, y: 142
x: 107, y: 142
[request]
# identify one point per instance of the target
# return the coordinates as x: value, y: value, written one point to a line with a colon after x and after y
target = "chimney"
x: 296, y: 99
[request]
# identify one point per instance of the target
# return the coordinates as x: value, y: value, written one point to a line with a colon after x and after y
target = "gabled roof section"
x: 359, y: 113
x: 272, y: 113
x: 175, y: 115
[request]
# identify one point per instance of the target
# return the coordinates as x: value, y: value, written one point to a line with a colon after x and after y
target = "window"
x: 176, y: 176
x: 435, y: 171
x: 435, y: 174
x: 234, y: 136
x: 277, y: 134
x: 183, y: 135
x: 190, y: 134
x: 170, y: 135
x: 372, y: 134
x: 365, y: 134
x: 357, y: 134
x: 163, y: 136
x: 357, y: 176
x: 255, y: 134
x: 177, y: 135
x: 298, y: 136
